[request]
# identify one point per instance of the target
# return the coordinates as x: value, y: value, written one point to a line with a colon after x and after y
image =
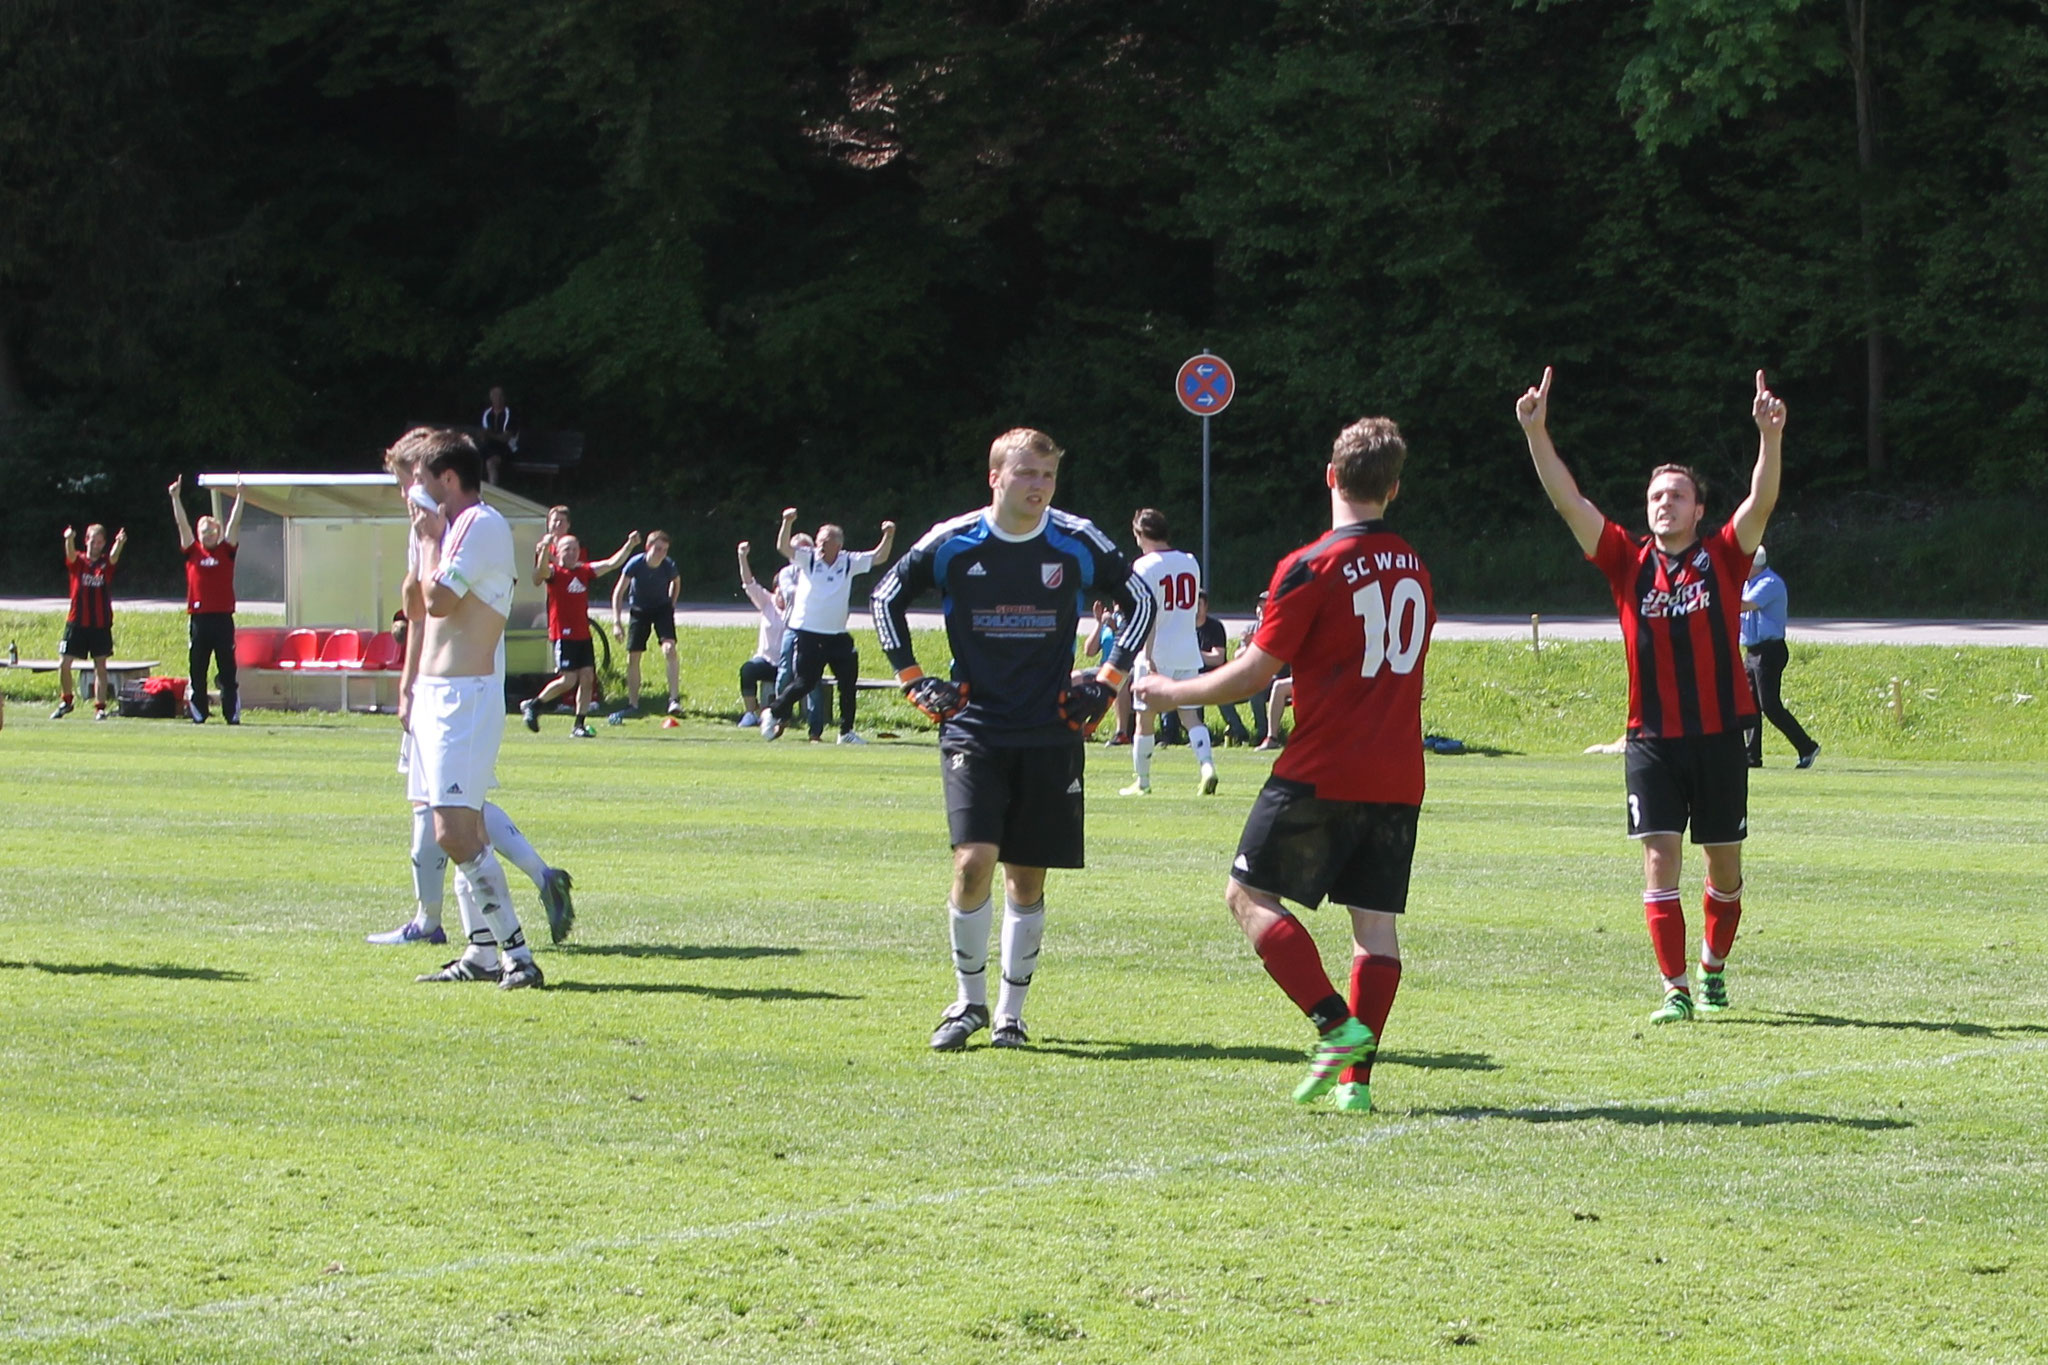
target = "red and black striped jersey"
x: 1352, y: 614
x: 92, y: 596
x: 1681, y: 624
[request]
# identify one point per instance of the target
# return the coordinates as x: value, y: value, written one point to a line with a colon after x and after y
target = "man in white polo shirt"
x: 467, y: 571
x: 1174, y: 652
x: 817, y: 620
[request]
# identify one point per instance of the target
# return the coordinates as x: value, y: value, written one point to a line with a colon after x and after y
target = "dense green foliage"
x: 238, y: 1134
x: 824, y: 249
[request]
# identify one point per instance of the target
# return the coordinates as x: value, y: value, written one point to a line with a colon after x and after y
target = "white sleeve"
x: 863, y: 561
x: 476, y: 559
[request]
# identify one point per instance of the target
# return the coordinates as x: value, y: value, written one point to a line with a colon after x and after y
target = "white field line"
x: 1130, y: 1171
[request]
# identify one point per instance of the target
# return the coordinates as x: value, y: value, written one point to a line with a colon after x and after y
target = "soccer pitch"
x: 235, y: 1132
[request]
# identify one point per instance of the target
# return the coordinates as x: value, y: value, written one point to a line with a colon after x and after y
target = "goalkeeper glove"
x: 939, y: 698
x: 1088, y: 699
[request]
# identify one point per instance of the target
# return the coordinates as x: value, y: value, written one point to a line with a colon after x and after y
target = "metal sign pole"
x: 1208, y: 569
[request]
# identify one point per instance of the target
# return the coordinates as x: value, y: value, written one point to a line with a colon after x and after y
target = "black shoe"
x: 523, y: 974
x: 193, y: 710
x: 64, y: 708
x: 957, y: 1025
x: 461, y: 969
x: 529, y: 711
x: 1806, y: 759
x: 1009, y: 1033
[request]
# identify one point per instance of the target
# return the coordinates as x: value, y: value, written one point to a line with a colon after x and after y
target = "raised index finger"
x: 1761, y: 388
x: 1543, y: 389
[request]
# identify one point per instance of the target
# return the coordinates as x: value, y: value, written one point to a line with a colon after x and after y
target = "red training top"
x: 1352, y: 613
x: 210, y: 577
x: 1681, y: 623
x: 569, y: 602
x: 92, y: 597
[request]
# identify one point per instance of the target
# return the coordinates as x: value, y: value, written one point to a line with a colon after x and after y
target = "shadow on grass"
x: 675, y: 952
x: 163, y: 971
x: 1961, y: 1028
x: 688, y: 988
x: 1103, y: 1050
x: 1648, y: 1117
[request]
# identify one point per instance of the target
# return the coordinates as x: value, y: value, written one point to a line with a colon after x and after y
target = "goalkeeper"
x: 1014, y: 718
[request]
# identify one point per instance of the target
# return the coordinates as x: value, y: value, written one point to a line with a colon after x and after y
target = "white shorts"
x: 457, y: 726
x: 1142, y: 669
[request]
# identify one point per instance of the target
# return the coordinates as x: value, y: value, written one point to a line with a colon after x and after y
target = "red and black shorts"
x: 1306, y: 849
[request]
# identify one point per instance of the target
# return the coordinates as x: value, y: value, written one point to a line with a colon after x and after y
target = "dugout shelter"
x: 333, y: 547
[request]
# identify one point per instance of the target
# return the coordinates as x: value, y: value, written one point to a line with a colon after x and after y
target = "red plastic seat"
x: 344, y: 649
x: 297, y: 649
x: 383, y: 653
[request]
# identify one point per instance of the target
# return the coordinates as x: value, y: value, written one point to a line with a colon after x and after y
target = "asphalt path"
x: 1842, y: 631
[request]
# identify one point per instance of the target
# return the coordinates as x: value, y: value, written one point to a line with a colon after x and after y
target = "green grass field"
x: 237, y: 1133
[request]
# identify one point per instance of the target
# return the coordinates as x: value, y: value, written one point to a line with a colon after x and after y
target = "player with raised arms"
x: 1679, y: 595
x: 1014, y: 717
x: 560, y: 568
x: 406, y: 462
x: 816, y: 623
x: 1352, y: 613
x: 1173, y: 650
x: 456, y: 709
x: 89, y: 625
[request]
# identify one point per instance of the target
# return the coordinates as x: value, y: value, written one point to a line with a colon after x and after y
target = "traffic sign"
x: 1205, y: 385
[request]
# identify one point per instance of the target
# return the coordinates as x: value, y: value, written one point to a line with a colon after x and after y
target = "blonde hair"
x: 1021, y: 441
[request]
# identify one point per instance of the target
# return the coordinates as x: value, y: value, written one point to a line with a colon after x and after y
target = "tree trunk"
x: 1866, y: 161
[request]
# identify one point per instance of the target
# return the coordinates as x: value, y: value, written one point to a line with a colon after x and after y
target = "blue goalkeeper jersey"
x: 1012, y: 606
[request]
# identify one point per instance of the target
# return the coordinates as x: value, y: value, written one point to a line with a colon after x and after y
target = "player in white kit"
x: 1176, y: 582
x: 405, y: 461
x: 457, y: 707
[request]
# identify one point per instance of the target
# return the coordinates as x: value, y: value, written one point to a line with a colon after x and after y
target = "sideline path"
x: 1845, y: 631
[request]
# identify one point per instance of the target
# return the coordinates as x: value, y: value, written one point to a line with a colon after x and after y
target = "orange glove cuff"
x: 1113, y: 677
x: 907, y: 676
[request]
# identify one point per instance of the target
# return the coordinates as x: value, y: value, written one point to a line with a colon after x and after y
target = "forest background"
x: 820, y: 251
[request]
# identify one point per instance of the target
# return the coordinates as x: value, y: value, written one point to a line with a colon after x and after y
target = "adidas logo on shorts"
x: 1074, y: 787
x: 976, y: 571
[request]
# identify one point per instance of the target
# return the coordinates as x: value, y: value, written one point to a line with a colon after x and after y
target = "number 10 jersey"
x: 1352, y: 613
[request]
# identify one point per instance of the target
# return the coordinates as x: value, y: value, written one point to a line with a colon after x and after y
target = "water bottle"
x: 13, y: 655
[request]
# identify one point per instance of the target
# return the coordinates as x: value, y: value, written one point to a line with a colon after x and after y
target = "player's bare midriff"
x: 462, y: 644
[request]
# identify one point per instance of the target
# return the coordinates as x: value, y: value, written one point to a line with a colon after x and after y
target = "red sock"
x: 1723, y: 911
x: 1665, y: 913
x: 1374, y: 979
x: 66, y: 699
x: 1291, y: 959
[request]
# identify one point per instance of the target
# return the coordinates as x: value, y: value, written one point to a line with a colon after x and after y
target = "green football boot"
x: 1713, y: 992
x: 1355, y: 1097
x: 1343, y: 1045
x: 1676, y: 1009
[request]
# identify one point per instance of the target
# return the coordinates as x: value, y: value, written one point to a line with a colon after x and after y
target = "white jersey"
x: 824, y: 592
x: 1176, y: 579
x: 768, y: 640
x: 477, y: 561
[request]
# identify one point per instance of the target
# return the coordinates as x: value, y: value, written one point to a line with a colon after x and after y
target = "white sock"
x: 484, y: 877
x: 970, y: 950
x: 506, y: 838
x: 1141, y: 758
x: 1198, y: 740
x: 429, y: 869
x: 1678, y: 983
x: 482, y: 945
x: 1023, y: 931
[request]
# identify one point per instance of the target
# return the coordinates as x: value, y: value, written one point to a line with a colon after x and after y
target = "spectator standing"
x: 1764, y: 657
x: 210, y: 603
x: 89, y: 625
x: 501, y: 438
x: 825, y: 574
x: 647, y: 588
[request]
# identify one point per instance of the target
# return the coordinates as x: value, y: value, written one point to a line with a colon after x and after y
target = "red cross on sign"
x: 1205, y: 385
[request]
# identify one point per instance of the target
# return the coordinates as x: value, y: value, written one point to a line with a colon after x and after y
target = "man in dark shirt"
x: 1014, y: 717
x: 646, y: 591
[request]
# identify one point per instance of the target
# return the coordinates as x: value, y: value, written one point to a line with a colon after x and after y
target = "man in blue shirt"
x: 647, y: 590
x: 1764, y: 655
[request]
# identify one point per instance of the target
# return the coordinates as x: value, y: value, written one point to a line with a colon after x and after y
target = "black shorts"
x: 663, y: 624
x: 87, y: 642
x: 1027, y: 801
x: 1704, y: 778
x: 571, y: 655
x: 1354, y: 853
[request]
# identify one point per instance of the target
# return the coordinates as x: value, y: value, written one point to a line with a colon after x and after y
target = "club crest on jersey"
x: 1700, y: 561
x: 1052, y: 575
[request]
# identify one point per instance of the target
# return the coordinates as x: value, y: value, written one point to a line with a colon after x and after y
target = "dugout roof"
x: 346, y: 496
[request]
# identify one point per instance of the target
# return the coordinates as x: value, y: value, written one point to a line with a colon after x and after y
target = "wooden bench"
x: 120, y: 670
x: 548, y: 452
